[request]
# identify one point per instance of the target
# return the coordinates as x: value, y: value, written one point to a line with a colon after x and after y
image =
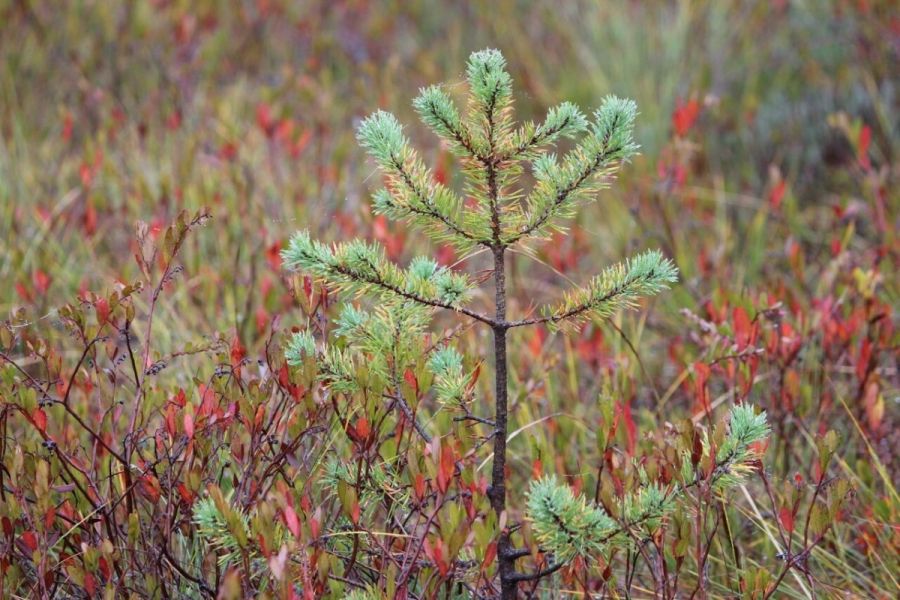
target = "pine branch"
x: 567, y: 525
x: 617, y: 287
x: 491, y: 99
x: 560, y: 188
x: 450, y: 383
x: 565, y: 120
x: 223, y: 528
x: 360, y: 268
x: 412, y: 193
x: 301, y: 346
x: 438, y: 111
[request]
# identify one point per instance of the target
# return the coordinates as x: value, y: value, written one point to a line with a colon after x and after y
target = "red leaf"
x: 473, y: 378
x: 776, y: 195
x: 186, y: 496
x: 742, y: 328
x: 90, y: 584
x: 150, y: 487
x: 862, y: 359
x: 865, y: 139
x: 363, y: 428
x: 228, y: 151
x: 410, y: 378
x: 440, y: 173
x: 259, y: 416
x: 435, y: 552
x: 273, y: 256
x: 189, y: 424
x: 23, y: 292
x: 104, y: 568
x: 102, y: 308
x: 264, y: 119
x: 696, y: 448
x: 173, y: 121
x: 30, y: 540
x: 262, y: 320
x: 283, y: 130
x: 445, y: 468
x: 701, y: 392
x: 207, y: 400
x: 787, y: 519
x: 489, y: 555
x: 86, y: 175
x: 41, y: 281
x: 419, y: 486
x: 40, y: 419
x: 291, y: 520
x: 284, y: 376
x: 170, y: 420
x: 445, y: 256
x: 684, y: 116
x: 237, y: 353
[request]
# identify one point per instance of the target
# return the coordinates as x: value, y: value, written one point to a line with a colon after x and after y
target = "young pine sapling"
x: 493, y: 214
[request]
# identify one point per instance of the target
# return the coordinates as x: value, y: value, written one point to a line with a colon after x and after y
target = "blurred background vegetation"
x: 769, y: 134
x: 251, y: 107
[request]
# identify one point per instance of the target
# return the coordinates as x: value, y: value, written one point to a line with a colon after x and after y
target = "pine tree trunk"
x: 498, y: 474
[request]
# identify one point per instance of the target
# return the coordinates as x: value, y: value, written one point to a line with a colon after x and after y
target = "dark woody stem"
x: 508, y: 582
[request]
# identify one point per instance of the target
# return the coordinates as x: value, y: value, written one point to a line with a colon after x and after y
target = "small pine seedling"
x: 494, y: 152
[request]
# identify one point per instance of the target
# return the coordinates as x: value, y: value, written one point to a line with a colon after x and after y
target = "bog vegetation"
x: 551, y: 354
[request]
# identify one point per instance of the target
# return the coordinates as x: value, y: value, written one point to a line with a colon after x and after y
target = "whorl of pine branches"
x: 494, y: 154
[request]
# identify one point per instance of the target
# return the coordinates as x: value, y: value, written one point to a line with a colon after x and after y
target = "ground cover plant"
x: 197, y: 401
